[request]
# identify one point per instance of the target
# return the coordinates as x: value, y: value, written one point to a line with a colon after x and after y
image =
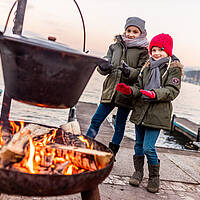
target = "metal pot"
x: 44, y: 73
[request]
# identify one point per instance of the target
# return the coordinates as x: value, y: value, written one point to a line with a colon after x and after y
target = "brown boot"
x: 154, y: 180
x: 137, y: 176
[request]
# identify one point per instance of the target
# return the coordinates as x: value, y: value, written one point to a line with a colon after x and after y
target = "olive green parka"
x: 135, y: 57
x: 157, y: 113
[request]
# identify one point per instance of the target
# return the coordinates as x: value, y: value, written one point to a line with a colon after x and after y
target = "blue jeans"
x: 101, y: 113
x: 145, y: 143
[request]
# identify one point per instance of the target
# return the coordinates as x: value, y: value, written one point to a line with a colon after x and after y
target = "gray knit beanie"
x: 135, y: 21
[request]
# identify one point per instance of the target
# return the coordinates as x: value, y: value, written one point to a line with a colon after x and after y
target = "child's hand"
x: 105, y: 66
x: 123, y: 88
x: 125, y: 69
x: 150, y: 94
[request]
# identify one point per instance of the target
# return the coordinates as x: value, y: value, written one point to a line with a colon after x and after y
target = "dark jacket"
x: 135, y: 57
x: 157, y: 113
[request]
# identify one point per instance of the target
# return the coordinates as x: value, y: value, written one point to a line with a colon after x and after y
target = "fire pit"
x: 14, y: 182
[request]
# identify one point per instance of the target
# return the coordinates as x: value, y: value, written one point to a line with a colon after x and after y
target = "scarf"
x: 140, y: 41
x: 154, y: 78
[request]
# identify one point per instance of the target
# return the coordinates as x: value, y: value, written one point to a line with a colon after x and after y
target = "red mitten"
x: 123, y: 88
x: 150, y: 94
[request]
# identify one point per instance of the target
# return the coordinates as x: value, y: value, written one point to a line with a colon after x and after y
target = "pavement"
x: 179, y: 170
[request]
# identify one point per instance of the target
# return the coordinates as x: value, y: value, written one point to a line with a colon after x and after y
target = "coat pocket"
x: 123, y: 100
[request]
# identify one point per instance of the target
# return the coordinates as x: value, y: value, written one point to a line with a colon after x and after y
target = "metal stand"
x: 72, y: 114
x: 91, y: 194
x: 19, y: 18
x: 17, y: 29
x: 5, y: 109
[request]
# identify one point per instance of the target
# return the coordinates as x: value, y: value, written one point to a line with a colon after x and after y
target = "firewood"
x: 72, y: 127
x: 85, y: 158
x: 14, y: 150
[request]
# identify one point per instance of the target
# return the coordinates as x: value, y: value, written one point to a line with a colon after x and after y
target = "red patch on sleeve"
x: 175, y: 81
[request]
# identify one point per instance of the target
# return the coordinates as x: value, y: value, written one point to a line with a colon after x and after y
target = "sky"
x: 106, y: 18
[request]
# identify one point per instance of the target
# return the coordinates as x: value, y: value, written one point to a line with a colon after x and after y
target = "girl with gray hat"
x: 125, y: 59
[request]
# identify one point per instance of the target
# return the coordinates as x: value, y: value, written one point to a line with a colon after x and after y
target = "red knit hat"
x: 164, y: 41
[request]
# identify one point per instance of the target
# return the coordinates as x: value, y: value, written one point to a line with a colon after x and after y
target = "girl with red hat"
x: 158, y: 84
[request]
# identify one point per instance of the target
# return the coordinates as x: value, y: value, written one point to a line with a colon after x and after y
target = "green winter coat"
x: 135, y: 57
x: 157, y: 113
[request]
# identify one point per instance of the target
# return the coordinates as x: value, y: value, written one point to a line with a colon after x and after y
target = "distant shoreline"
x: 192, y: 82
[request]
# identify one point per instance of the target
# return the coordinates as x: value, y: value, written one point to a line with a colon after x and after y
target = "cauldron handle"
x: 17, y: 29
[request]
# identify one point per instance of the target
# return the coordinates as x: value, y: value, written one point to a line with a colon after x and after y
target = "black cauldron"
x: 44, y: 73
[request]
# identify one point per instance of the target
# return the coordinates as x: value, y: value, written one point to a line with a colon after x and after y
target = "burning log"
x: 67, y: 160
x: 85, y: 158
x: 44, y: 155
x: 14, y: 150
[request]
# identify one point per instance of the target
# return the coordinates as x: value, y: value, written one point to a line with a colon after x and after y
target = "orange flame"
x: 15, y: 127
x: 31, y: 156
x: 40, y: 158
x: 2, y: 142
x: 81, y: 138
x: 36, y: 154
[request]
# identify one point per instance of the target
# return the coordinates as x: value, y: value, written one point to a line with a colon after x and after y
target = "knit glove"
x: 105, y: 66
x: 123, y: 88
x: 148, y: 93
x: 125, y: 69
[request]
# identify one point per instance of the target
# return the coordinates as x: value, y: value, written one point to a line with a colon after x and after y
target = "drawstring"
x: 140, y: 74
x: 170, y: 59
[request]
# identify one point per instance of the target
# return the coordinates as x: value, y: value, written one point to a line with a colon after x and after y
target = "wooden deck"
x: 186, y: 127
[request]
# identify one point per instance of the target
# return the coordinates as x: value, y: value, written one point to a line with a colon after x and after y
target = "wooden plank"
x: 197, y: 144
x: 187, y: 123
x: 186, y: 127
x: 185, y: 130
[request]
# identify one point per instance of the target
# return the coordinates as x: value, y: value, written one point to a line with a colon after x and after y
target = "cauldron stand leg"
x: 5, y: 109
x: 91, y: 194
